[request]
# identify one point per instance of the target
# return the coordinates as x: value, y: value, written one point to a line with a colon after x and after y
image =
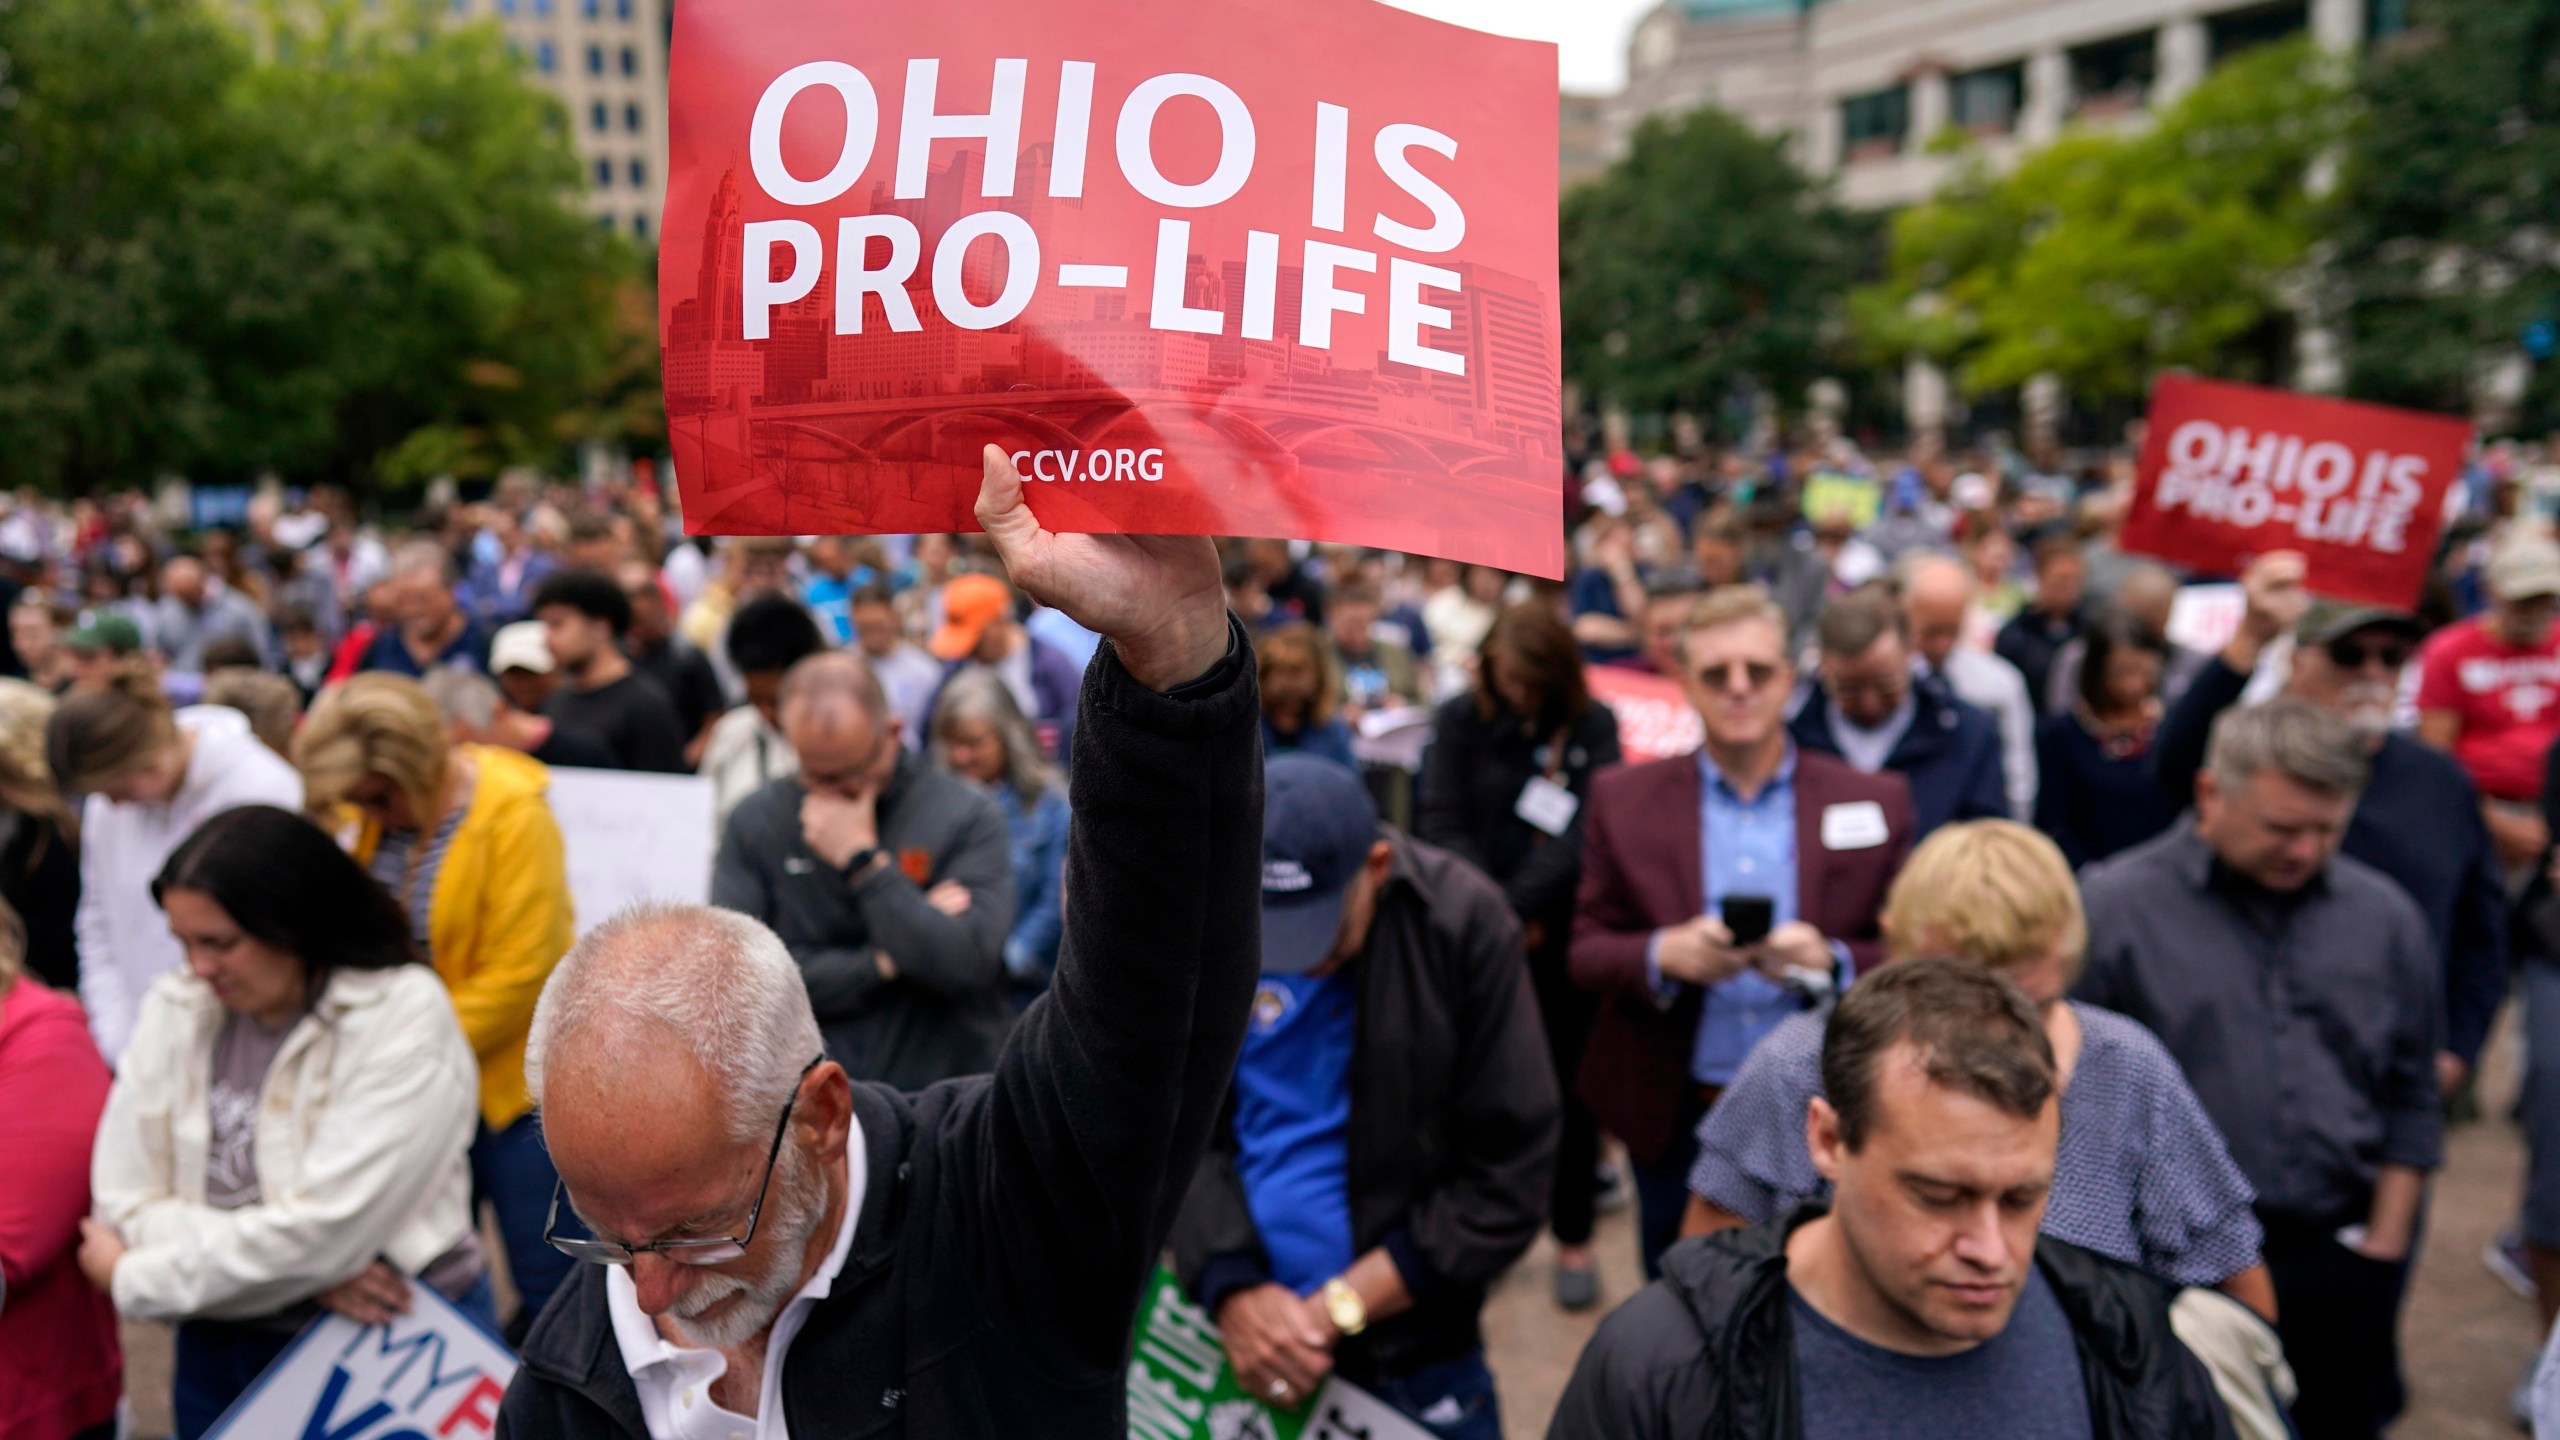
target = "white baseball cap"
x: 521, y: 646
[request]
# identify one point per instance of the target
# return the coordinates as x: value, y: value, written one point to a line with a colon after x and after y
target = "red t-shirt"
x: 2508, y: 699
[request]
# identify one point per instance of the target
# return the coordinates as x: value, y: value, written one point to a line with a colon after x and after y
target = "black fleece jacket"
x: 1708, y: 1351
x: 1011, y: 1219
x: 1451, y: 1145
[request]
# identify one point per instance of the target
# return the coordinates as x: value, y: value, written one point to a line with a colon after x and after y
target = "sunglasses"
x: 2353, y: 654
x: 1756, y: 675
x: 710, y: 1250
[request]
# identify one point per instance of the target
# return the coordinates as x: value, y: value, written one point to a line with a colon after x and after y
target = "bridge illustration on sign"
x: 810, y: 431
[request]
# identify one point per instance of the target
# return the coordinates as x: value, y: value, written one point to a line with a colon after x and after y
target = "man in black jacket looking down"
x: 786, y: 1252
x: 1391, y: 1138
x: 1923, y: 1304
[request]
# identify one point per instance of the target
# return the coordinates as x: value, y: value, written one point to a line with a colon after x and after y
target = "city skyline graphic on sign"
x: 808, y: 431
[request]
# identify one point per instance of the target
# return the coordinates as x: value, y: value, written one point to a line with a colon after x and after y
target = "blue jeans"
x: 218, y: 1360
x: 1453, y: 1399
x: 511, y: 1169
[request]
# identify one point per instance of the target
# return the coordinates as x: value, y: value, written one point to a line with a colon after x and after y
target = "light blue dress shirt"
x: 1746, y: 847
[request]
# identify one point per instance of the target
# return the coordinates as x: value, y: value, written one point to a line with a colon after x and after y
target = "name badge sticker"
x: 1546, y: 804
x: 1857, y: 825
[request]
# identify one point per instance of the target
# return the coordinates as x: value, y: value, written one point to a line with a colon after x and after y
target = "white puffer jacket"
x: 362, y: 1148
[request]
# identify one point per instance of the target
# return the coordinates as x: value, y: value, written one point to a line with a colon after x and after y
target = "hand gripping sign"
x: 1259, y: 268
x: 2232, y: 471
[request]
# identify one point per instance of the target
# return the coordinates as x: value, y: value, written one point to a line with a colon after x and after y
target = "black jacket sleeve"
x: 2177, y: 750
x: 1102, y: 1103
x: 1469, y: 1230
x: 1443, y: 808
x: 1217, y: 1249
x: 1632, y: 1382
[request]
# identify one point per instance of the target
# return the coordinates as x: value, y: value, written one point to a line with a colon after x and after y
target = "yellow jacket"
x: 500, y: 918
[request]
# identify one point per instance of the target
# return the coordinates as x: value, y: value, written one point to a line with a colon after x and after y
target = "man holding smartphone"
x: 1720, y: 892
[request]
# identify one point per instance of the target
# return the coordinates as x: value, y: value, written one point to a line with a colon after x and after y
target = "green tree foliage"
x: 1703, y: 261
x: 2105, y: 257
x: 329, y: 239
x: 2452, y: 202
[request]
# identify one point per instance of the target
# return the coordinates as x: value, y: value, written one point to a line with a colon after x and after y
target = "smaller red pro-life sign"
x: 2232, y: 471
x: 1257, y: 267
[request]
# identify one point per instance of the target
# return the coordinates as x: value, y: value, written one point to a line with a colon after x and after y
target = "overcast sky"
x: 1591, y: 34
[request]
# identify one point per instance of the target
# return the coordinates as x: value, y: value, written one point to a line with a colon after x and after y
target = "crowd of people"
x: 2027, y: 1009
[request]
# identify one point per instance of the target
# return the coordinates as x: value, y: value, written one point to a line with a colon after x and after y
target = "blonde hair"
x: 1732, y: 605
x: 97, y: 737
x: 374, y: 724
x: 1994, y: 892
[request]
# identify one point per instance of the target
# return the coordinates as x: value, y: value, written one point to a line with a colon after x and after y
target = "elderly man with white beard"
x: 783, y: 1251
x: 2419, y: 820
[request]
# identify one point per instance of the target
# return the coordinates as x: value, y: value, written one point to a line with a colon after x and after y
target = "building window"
x: 631, y: 118
x: 1985, y: 102
x: 630, y: 61
x: 589, y: 8
x: 596, y: 114
x: 595, y: 59
x: 1875, y: 124
x: 461, y: 5
x: 542, y: 8
x: 2385, y: 18
x: 545, y: 59
x: 621, y: 9
x: 639, y: 175
x: 506, y: 7
x: 2234, y: 31
x: 2112, y: 76
x: 640, y: 226
x: 604, y: 174
x: 604, y: 222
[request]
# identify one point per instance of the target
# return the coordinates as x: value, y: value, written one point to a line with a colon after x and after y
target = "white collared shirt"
x: 1868, y: 749
x: 674, y: 1382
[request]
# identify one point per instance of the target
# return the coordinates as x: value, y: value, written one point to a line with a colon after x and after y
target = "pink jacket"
x: 60, y: 1370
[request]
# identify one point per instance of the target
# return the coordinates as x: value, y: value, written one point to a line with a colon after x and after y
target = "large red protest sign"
x: 2232, y: 471
x: 1655, y: 719
x: 1253, y: 268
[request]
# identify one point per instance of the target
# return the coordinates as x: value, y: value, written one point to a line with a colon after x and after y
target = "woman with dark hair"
x: 2095, y: 794
x: 290, y: 1129
x: 1301, y: 694
x: 1503, y: 784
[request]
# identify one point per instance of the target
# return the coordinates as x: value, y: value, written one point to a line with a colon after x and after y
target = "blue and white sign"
x: 432, y: 1374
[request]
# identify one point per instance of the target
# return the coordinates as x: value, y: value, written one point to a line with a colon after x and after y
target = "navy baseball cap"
x: 1317, y: 826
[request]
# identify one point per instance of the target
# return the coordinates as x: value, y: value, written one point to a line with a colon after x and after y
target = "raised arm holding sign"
x: 795, y: 1248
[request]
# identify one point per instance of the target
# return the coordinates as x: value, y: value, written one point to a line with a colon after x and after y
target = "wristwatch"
x: 1344, y: 1307
x: 860, y: 862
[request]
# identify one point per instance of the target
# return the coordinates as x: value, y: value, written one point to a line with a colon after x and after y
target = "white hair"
x: 464, y: 695
x: 719, y: 983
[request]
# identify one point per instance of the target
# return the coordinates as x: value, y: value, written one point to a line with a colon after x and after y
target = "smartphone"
x: 1749, y: 917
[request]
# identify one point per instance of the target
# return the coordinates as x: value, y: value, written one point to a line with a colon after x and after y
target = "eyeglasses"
x: 1756, y: 674
x: 2353, y: 654
x: 710, y: 1250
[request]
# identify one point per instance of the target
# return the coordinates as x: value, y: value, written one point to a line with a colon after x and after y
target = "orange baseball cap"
x: 970, y: 603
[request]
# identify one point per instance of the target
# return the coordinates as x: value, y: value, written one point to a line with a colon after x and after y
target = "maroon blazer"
x: 1641, y: 871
